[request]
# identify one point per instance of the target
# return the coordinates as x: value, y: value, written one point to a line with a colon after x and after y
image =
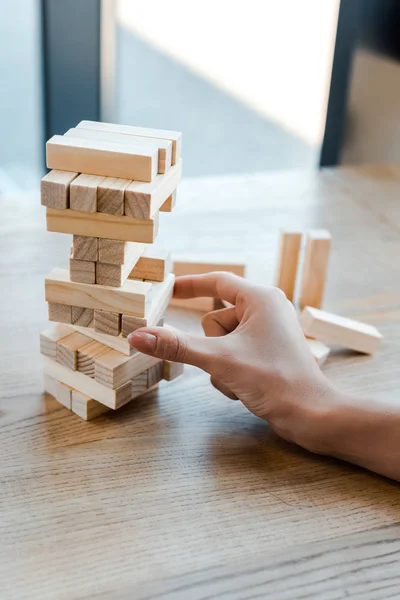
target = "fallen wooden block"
x: 113, y: 369
x: 101, y: 225
x: 67, y: 349
x: 82, y: 316
x: 60, y: 313
x: 110, y: 195
x: 87, y: 355
x: 151, y: 266
x: 143, y: 200
x: 63, y: 394
x: 54, y: 188
x: 116, y: 252
x: 174, y: 136
x: 85, y: 248
x: 290, y: 243
x: 118, y: 343
x: 319, y: 351
x: 315, y: 268
x: 332, y: 329
x: 83, y: 193
x: 133, y: 298
x: 116, y: 275
x: 172, y: 370
x: 99, y: 157
x: 169, y: 204
x: 107, y: 322
x: 85, y: 407
x: 82, y: 271
x: 50, y: 337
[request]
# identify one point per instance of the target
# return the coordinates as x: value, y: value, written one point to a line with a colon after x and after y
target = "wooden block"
x: 315, y: 268
x: 87, y: 355
x: 82, y: 316
x: 113, y: 342
x: 116, y: 275
x: 200, y: 304
x: 140, y: 384
x: 61, y: 313
x: 319, y: 351
x: 50, y: 337
x: 67, y: 349
x: 81, y: 383
x: 169, y: 204
x: 99, y: 157
x: 113, y: 369
x: 50, y: 386
x: 163, y: 147
x: 102, y: 225
x: 107, y: 322
x: 82, y: 271
x: 110, y: 195
x: 63, y: 394
x: 155, y: 374
x: 54, y: 188
x: 143, y: 200
x: 192, y: 265
x: 83, y: 193
x: 174, y: 136
x: 133, y: 298
x: 85, y: 248
x: 332, y: 329
x: 290, y: 244
x: 162, y: 293
x: 152, y: 267
x: 172, y: 370
x: 116, y: 252
x: 85, y: 407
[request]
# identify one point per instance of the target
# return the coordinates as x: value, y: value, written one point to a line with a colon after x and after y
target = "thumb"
x: 177, y: 346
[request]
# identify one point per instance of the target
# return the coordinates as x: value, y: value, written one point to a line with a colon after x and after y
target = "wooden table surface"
x: 184, y: 494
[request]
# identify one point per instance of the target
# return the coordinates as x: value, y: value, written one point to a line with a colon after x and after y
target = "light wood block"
x: 102, y: 225
x: 116, y: 252
x: 67, y: 349
x: 143, y: 200
x: 82, y: 271
x: 319, y: 351
x: 140, y: 384
x: 289, y: 251
x: 332, y: 329
x: 86, y: 385
x: 110, y: 195
x: 133, y: 298
x: 60, y: 313
x: 193, y: 265
x: 82, y: 316
x: 50, y: 385
x: 83, y: 193
x: 174, y: 136
x: 155, y: 374
x: 107, y: 322
x: 99, y: 157
x: 118, y: 343
x: 315, y: 268
x: 85, y: 248
x: 116, y: 275
x: 200, y: 304
x: 63, y: 394
x: 170, y: 202
x: 50, y: 337
x: 163, y: 147
x: 54, y: 188
x: 152, y: 267
x: 87, y: 355
x: 85, y: 407
x: 172, y: 370
x: 113, y: 369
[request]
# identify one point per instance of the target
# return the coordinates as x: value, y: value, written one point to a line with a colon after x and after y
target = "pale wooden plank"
x: 85, y: 248
x: 288, y: 258
x: 117, y: 252
x: 54, y: 188
x: 82, y: 271
x: 50, y: 385
x: 83, y: 193
x: 82, y: 316
x: 110, y: 195
x: 152, y: 266
x: 118, y: 343
x: 319, y: 351
x: 85, y: 407
x: 67, y: 349
x: 107, y: 322
x: 116, y: 275
x: 315, y: 268
x: 86, y: 356
x: 155, y: 374
x: 63, y: 394
x: 170, y: 203
x: 60, y: 313
x: 50, y: 337
x: 172, y: 370
x: 113, y: 369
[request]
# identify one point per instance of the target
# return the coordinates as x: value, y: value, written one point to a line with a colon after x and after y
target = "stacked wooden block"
x: 106, y: 187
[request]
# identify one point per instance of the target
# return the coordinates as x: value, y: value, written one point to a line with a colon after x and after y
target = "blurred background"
x: 254, y: 86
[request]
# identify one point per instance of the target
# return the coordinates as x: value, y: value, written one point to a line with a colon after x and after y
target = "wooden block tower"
x: 106, y: 187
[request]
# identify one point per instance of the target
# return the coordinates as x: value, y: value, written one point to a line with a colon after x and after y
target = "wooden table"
x: 184, y: 494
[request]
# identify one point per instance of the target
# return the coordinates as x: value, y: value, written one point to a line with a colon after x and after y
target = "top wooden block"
x: 101, y: 157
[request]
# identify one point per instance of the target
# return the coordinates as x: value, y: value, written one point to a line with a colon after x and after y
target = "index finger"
x: 219, y: 284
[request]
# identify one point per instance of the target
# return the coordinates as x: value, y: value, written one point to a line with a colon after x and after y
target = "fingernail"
x: 146, y: 342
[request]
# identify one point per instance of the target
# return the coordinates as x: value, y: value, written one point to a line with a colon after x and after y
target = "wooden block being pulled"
x: 332, y: 329
x: 169, y: 204
x: 82, y: 271
x: 315, y: 268
x: 143, y: 200
x: 133, y: 298
x: 63, y: 394
x: 50, y: 337
x: 319, y: 351
x: 174, y: 136
x: 116, y: 252
x: 67, y: 349
x: 81, y: 383
x: 152, y: 266
x: 172, y: 370
x: 54, y: 188
x: 107, y: 322
x: 289, y: 251
x: 155, y: 374
x: 85, y: 248
x: 102, y: 225
x: 110, y: 195
x: 82, y: 316
x: 116, y: 275
x: 113, y: 369
x: 60, y: 313
x: 83, y: 193
x: 85, y: 407
x: 118, y: 343
x: 87, y: 355
x: 99, y: 157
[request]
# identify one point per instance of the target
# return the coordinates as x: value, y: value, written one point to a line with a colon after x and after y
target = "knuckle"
x: 176, y: 348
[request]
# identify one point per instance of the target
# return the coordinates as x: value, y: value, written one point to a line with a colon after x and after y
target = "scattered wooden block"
x: 54, y: 188
x: 87, y: 355
x: 169, y: 204
x: 113, y: 369
x: 143, y: 200
x: 82, y: 316
x: 110, y: 195
x: 290, y: 244
x: 50, y: 386
x: 332, y: 329
x: 85, y: 248
x: 172, y: 370
x: 133, y: 298
x: 152, y: 267
x: 118, y: 343
x: 155, y: 374
x: 107, y: 322
x: 67, y: 349
x: 63, y: 394
x: 60, y: 313
x: 315, y: 268
x: 99, y: 157
x: 81, y: 383
x: 85, y: 407
x: 102, y: 225
x: 174, y: 136
x: 50, y: 337
x: 83, y: 193
x: 116, y: 252
x: 319, y: 351
x: 82, y: 271
x: 116, y: 275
